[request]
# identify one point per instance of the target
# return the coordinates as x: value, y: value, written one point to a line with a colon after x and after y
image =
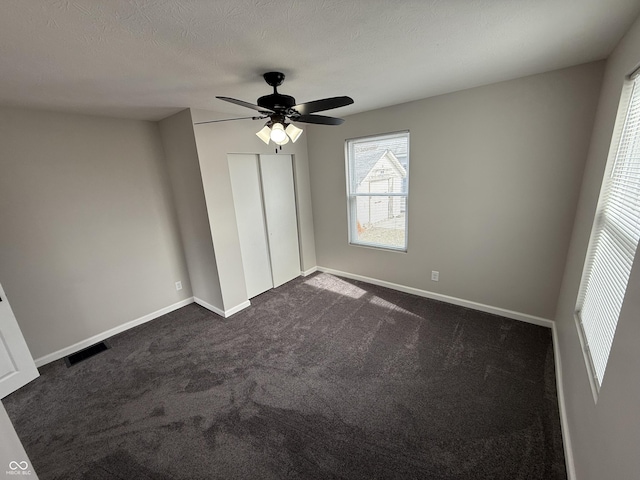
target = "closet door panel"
x: 247, y: 198
x: 280, y: 213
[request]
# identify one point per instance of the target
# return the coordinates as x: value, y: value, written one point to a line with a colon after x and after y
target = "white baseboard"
x: 219, y: 311
x: 51, y: 357
x: 564, y: 422
x: 110, y: 333
x: 524, y: 317
x: 237, y: 308
x: 306, y: 273
x: 208, y: 306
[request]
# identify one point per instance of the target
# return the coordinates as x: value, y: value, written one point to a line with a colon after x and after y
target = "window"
x: 614, y: 240
x: 378, y: 187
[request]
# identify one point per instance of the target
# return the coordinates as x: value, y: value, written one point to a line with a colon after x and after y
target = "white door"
x: 16, y: 364
x: 280, y: 212
x: 247, y: 199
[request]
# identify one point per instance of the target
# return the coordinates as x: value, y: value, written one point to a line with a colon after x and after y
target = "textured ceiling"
x: 149, y: 58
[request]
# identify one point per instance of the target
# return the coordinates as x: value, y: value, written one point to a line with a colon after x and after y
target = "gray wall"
x: 494, y: 180
x: 88, y: 237
x: 186, y: 180
x: 605, y: 436
x: 214, y: 142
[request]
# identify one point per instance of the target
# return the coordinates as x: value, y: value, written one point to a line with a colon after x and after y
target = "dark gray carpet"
x: 323, y: 378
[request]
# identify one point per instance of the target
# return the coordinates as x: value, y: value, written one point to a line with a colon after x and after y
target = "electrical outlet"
x: 178, y: 285
x: 435, y: 275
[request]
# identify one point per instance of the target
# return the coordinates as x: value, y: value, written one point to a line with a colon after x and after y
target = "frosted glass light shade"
x: 293, y: 132
x: 283, y: 141
x: 264, y: 134
x: 278, y: 134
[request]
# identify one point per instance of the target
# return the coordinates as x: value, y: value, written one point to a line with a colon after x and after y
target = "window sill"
x: 587, y: 359
x: 378, y: 247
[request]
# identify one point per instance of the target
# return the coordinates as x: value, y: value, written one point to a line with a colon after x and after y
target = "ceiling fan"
x: 282, y: 109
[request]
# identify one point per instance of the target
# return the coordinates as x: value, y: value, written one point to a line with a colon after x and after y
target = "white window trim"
x: 621, y: 118
x: 352, y: 234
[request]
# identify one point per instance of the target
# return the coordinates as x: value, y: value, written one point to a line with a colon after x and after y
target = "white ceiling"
x: 149, y: 58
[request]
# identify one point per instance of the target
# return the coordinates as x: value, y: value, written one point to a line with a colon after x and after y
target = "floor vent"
x: 86, y: 353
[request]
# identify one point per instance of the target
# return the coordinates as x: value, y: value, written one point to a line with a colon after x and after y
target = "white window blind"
x: 613, y: 247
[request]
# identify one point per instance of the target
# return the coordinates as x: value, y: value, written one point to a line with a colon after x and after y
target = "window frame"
x: 353, y: 196
x: 630, y: 89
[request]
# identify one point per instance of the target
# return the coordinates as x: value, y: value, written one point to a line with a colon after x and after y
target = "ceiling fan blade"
x: 246, y: 104
x: 324, y: 104
x: 229, y: 120
x: 318, y: 119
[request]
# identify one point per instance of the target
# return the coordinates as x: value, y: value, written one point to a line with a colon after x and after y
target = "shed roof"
x: 367, y: 154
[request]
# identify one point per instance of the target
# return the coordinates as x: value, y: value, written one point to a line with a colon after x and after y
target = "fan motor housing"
x: 277, y: 101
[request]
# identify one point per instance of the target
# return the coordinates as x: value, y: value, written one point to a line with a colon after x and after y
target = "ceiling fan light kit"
x: 265, y: 134
x: 293, y: 132
x: 279, y: 134
x: 281, y: 110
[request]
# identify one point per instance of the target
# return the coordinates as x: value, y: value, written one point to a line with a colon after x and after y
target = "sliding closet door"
x: 280, y: 212
x: 247, y: 198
